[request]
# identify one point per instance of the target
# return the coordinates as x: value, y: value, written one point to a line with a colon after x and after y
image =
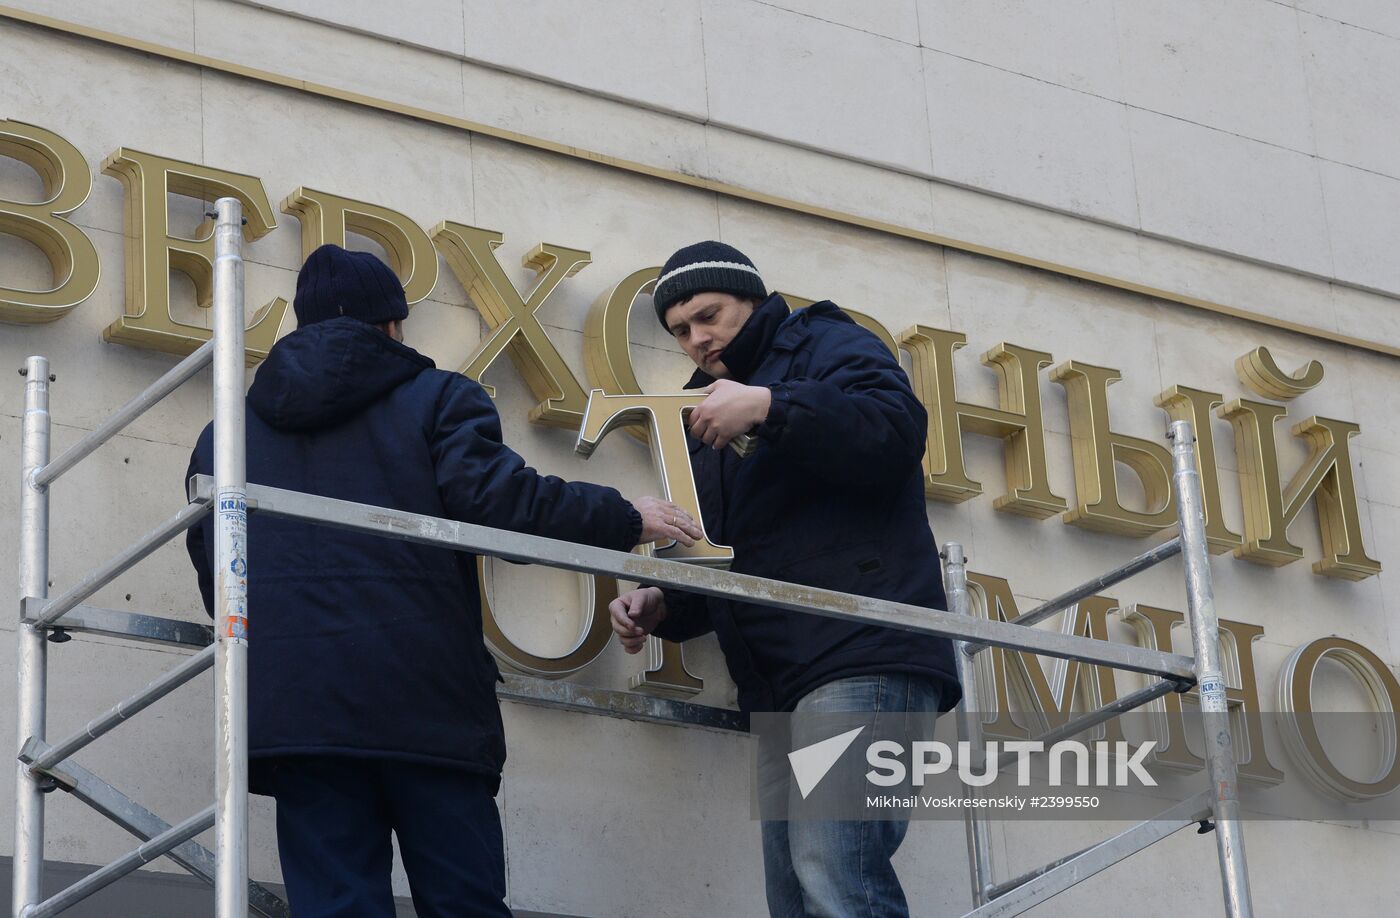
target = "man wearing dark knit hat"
x: 371, y: 696
x: 832, y: 496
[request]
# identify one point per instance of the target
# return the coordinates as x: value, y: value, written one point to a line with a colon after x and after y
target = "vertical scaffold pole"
x: 1205, y: 638
x: 979, y: 844
x: 32, y: 668
x: 231, y: 569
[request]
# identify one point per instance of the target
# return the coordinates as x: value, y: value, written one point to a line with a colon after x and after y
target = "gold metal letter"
x: 592, y: 639
x: 151, y: 251
x: 71, y: 255
x: 1096, y: 450
x: 1017, y: 422
x: 1295, y: 682
x: 1154, y: 627
x: 669, y: 450
x: 470, y: 252
x: 1259, y: 372
x: 326, y: 218
x: 1182, y: 403
x: 1326, y: 474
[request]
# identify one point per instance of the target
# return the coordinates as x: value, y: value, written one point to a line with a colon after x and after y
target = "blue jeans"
x: 841, y: 869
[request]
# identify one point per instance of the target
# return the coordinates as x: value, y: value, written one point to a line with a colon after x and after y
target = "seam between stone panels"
x: 846, y: 25
x: 742, y: 193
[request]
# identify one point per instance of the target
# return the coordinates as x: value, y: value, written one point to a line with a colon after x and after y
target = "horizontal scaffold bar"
x: 515, y: 546
x: 130, y: 626
x: 1150, y: 558
x: 142, y: 823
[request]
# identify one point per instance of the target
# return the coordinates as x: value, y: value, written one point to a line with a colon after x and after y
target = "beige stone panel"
x: 1363, y: 215
x: 427, y: 23
x: 931, y: 866
x: 166, y: 22
x: 1233, y: 66
x: 643, y: 50
x: 671, y: 798
x: 420, y: 170
x: 897, y: 19
x: 982, y: 219
x: 1367, y: 315
x: 1069, y: 43
x: 993, y: 301
x: 1374, y: 15
x: 898, y: 282
x: 1234, y: 283
x: 1349, y: 881
x: 1232, y: 194
x: 579, y: 118
x: 1381, y: 471
x: 1375, y: 382
x: 626, y: 223
x: 329, y: 55
x: 107, y: 502
x: 818, y: 180
x: 145, y: 103
x: 1385, y: 547
x: 1021, y: 137
x: 783, y: 75
x: 1352, y: 74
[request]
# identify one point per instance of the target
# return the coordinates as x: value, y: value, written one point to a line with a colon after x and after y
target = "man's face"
x: 705, y: 324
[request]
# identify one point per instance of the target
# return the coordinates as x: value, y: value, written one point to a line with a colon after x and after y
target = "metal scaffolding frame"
x: 45, y: 766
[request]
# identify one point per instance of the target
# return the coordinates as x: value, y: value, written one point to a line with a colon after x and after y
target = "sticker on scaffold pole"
x: 1212, y: 690
x: 233, y: 579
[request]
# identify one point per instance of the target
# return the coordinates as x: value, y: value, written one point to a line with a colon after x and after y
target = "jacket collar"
x: 771, y: 326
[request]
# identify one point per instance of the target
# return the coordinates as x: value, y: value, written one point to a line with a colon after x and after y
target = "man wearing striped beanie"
x: 831, y: 496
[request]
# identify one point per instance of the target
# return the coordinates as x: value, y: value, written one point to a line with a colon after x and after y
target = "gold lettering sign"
x: 1154, y: 628
x: 592, y: 640
x: 152, y: 252
x: 1019, y: 678
x: 1097, y: 450
x: 1182, y: 403
x: 326, y: 218
x: 1260, y: 372
x: 515, y: 327
x: 1300, y: 731
x: 665, y: 672
x: 1017, y: 422
x: 662, y: 415
x: 1326, y: 474
x: 71, y: 255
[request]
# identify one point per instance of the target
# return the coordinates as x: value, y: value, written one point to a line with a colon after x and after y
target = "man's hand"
x: 729, y: 409
x: 635, y: 615
x: 662, y: 519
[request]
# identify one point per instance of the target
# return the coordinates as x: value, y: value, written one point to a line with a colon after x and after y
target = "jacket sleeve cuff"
x: 634, y: 526
x: 776, y: 422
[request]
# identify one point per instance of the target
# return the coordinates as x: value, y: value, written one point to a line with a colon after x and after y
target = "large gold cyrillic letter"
x: 1022, y: 685
x: 515, y: 328
x: 1097, y: 447
x: 1154, y: 627
x: 1182, y: 403
x: 71, y: 255
x: 326, y: 218
x: 1326, y: 474
x: 664, y: 417
x: 1017, y: 422
x: 151, y: 251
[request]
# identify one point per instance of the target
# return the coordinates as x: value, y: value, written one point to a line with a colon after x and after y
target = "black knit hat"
x: 334, y: 282
x: 704, y: 267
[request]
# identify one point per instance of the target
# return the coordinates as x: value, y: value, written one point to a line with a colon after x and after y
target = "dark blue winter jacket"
x: 365, y: 646
x: 832, y: 497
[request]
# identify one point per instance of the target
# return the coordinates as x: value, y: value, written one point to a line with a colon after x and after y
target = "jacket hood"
x: 323, y: 374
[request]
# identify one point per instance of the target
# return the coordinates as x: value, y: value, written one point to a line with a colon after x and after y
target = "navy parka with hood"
x: 372, y: 647
x: 832, y: 497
